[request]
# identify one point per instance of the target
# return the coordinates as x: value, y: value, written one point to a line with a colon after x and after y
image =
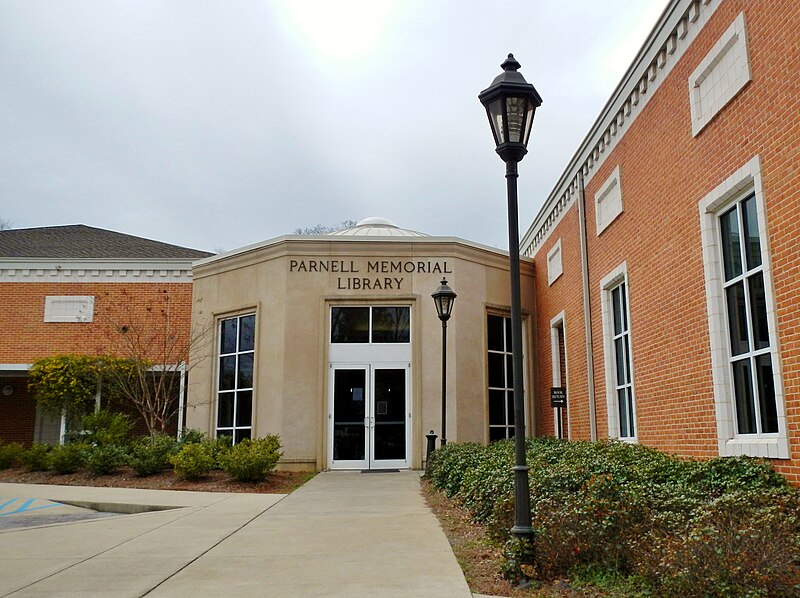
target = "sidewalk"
x: 342, y: 534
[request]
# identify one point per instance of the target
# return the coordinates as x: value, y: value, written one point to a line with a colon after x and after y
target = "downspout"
x: 181, y: 398
x: 587, y: 309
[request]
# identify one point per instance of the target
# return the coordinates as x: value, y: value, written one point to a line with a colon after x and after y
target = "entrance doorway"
x: 369, y: 416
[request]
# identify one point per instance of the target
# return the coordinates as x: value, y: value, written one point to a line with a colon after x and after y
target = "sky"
x: 218, y: 124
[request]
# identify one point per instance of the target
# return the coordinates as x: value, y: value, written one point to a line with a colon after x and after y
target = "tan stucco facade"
x: 291, y: 284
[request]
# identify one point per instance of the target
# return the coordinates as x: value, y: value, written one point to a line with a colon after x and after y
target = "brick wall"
x: 665, y: 171
x: 26, y: 337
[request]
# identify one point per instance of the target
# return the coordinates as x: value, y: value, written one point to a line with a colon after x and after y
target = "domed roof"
x: 377, y: 227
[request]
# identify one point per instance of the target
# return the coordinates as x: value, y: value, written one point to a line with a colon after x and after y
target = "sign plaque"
x: 558, y: 396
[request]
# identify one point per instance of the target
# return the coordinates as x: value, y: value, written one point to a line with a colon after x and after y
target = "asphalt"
x: 342, y: 534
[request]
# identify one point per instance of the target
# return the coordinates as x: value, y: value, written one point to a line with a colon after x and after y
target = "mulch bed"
x: 277, y: 482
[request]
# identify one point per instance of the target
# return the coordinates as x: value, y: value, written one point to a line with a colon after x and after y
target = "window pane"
x: 620, y: 358
x: 509, y: 371
x: 497, y: 404
x: 391, y: 324
x: 752, y: 245
x: 509, y: 344
x: 496, y: 370
x: 350, y: 325
x: 758, y: 310
x: 766, y: 394
x: 247, y: 333
x: 743, y: 389
x: 245, y: 377
x: 622, y: 401
x: 623, y: 306
x: 510, y: 407
x: 227, y: 372
x: 615, y: 306
x: 227, y: 336
x: 494, y: 326
x: 244, y: 408
x: 225, y: 410
x: 731, y: 251
x: 241, y: 435
x: 737, y: 318
x: 497, y: 434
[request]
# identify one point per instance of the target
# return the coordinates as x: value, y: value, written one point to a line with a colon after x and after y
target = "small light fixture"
x: 444, y: 297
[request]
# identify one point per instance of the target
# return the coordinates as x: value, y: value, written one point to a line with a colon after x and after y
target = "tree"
x: 322, y: 229
x: 155, y: 341
x: 71, y: 383
x: 5, y: 224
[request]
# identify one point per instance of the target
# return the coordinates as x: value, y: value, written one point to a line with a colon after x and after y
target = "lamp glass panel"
x: 496, y: 120
x: 516, y: 108
x: 528, y: 123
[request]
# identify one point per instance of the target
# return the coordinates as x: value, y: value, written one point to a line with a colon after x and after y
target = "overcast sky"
x: 217, y: 124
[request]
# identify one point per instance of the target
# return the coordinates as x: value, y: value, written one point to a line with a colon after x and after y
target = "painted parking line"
x: 15, y: 506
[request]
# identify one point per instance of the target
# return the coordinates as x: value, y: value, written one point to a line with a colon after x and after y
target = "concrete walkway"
x: 342, y: 534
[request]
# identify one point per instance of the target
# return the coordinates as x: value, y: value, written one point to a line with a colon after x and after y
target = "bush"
x: 104, y: 459
x: 721, y: 527
x: 9, y: 454
x: 35, y: 458
x: 252, y: 460
x: 449, y: 464
x: 67, y: 458
x: 193, y: 461
x: 191, y: 436
x: 104, y: 427
x: 150, y: 455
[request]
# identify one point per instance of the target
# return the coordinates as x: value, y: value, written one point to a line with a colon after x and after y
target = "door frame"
x: 369, y: 461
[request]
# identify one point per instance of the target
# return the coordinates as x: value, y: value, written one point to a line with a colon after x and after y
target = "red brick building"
x: 667, y: 256
x: 58, y: 289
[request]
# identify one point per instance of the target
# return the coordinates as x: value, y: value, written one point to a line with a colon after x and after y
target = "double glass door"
x: 369, y: 416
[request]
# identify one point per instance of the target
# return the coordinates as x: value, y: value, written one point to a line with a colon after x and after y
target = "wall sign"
x: 369, y: 275
x: 558, y: 396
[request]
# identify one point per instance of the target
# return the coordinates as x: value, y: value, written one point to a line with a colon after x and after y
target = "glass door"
x: 369, y: 417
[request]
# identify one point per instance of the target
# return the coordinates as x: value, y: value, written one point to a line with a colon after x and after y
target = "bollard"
x: 431, y: 447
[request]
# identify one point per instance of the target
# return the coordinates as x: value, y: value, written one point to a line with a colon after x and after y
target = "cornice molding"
x: 25, y: 270
x: 676, y: 29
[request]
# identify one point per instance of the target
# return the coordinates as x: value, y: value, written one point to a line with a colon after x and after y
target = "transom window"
x: 501, y: 378
x: 748, y: 332
x: 376, y: 324
x: 235, y: 377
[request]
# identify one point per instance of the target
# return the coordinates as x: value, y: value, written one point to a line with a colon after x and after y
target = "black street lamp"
x: 444, y: 298
x: 510, y: 104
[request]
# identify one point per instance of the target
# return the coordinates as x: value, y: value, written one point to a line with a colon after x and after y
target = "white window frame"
x: 559, y: 322
x: 233, y: 428
x: 608, y: 202
x: 611, y: 281
x: 744, y: 181
x: 705, y: 103
x: 555, y: 263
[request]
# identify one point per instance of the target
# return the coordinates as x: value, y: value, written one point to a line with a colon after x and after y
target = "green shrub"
x: 193, y: 461
x: 252, y: 460
x: 449, y: 463
x: 9, y: 454
x: 191, y: 436
x: 105, y: 427
x: 104, y: 459
x: 150, y: 455
x: 36, y: 458
x: 721, y: 527
x: 67, y: 458
x: 744, y: 543
x: 219, y: 447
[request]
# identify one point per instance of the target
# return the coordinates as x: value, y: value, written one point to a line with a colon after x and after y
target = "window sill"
x: 773, y: 447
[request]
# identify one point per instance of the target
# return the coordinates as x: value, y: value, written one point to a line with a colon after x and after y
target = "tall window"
x: 742, y: 321
x: 748, y: 331
x: 621, y: 398
x: 622, y: 361
x: 235, y: 377
x: 501, y: 378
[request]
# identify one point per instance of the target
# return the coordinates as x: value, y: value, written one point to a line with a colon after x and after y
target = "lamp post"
x: 444, y: 298
x: 510, y: 104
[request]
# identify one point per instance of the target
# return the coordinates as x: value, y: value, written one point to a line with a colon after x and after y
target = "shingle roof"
x: 79, y: 241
